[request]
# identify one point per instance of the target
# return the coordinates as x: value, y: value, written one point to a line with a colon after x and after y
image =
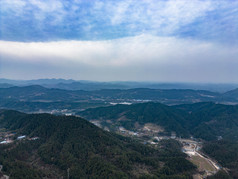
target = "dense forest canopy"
x: 202, y: 120
x: 88, y: 151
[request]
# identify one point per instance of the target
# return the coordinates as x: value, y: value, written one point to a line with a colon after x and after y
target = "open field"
x: 202, y: 163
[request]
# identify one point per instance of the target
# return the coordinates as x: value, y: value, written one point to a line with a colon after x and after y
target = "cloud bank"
x: 139, y: 58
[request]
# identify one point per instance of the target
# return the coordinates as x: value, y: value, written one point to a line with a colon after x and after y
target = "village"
x: 7, y: 137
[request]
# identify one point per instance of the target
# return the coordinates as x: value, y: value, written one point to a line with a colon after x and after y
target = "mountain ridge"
x: 71, y: 84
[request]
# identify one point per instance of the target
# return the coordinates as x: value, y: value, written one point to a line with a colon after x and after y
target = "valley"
x: 189, y: 121
x: 150, y: 135
x: 38, y: 99
x: 196, y: 126
x: 125, y: 89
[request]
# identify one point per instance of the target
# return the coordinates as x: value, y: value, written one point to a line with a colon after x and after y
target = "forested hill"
x: 202, y: 120
x: 129, y: 116
x: 73, y: 144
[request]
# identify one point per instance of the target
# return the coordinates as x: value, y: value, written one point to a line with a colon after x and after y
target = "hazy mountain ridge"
x: 94, y: 85
x: 232, y: 95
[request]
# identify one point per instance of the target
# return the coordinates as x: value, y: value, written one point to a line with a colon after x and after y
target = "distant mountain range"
x: 92, y: 85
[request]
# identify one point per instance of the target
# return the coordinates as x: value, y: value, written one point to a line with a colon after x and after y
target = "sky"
x: 124, y: 40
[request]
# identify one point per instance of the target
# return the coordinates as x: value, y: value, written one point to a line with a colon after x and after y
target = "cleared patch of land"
x: 153, y: 127
x: 202, y: 163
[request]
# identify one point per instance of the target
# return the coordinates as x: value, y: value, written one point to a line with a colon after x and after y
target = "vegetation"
x: 201, y: 120
x: 36, y: 92
x: 215, y: 123
x: 128, y: 116
x: 87, y: 151
x: 49, y: 106
x: 73, y: 144
x: 226, y: 153
x: 35, y: 97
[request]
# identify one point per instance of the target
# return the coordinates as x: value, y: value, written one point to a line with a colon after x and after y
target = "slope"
x: 203, y: 120
x: 75, y: 145
x: 129, y: 116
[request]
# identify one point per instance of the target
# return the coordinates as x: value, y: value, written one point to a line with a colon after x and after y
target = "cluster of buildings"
x: 8, y: 137
x: 147, y: 134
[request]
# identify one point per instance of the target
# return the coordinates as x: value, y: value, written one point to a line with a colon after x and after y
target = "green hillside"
x: 226, y: 153
x: 130, y: 115
x: 217, y: 124
x: 202, y: 120
x: 86, y: 151
x: 210, y: 120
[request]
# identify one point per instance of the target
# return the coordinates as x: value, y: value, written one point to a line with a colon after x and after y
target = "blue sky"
x: 148, y: 40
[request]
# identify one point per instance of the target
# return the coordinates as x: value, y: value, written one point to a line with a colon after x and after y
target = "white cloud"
x: 162, y: 16
x: 143, y: 57
x: 46, y: 6
x: 119, y: 12
x: 17, y: 6
x: 40, y: 9
x: 144, y: 16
